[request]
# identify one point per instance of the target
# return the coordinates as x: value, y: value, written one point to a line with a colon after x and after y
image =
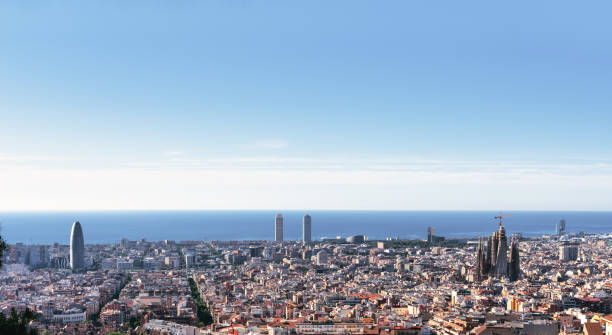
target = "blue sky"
x: 305, y: 105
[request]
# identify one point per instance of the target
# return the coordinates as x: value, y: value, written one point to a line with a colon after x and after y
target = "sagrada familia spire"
x: 492, y: 259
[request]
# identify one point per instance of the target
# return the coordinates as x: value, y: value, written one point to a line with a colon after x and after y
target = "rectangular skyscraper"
x: 278, y: 228
x: 568, y: 252
x: 561, y: 228
x: 306, y: 229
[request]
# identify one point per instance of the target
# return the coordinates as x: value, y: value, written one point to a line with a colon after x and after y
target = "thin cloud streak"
x: 29, y: 158
x: 269, y: 143
x: 373, y: 164
x: 179, y: 160
x: 172, y: 153
x: 259, y: 182
x: 131, y: 188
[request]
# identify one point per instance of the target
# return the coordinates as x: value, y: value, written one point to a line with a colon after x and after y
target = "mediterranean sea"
x: 111, y: 226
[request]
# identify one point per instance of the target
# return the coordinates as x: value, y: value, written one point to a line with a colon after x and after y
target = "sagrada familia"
x: 493, y: 259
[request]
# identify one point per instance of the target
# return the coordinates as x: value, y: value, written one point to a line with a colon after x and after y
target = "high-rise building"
x: 561, y: 228
x: 306, y: 229
x: 431, y: 236
x: 189, y: 259
x: 568, y: 252
x: 124, y: 243
x: 77, y: 247
x: 36, y: 255
x: 278, y: 228
x: 431, y: 232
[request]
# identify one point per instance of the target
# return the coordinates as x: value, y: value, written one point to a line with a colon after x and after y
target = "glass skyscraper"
x: 77, y: 247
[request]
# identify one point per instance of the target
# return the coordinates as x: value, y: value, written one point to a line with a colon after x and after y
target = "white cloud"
x: 375, y: 164
x: 243, y: 183
x: 8, y: 158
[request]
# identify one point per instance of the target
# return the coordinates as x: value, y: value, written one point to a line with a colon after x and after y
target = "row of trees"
x: 203, y: 312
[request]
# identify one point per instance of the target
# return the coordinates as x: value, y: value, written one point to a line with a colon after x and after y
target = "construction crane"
x: 500, y: 217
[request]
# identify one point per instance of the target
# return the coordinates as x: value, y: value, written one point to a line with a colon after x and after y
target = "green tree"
x: 17, y: 324
x: 202, y: 310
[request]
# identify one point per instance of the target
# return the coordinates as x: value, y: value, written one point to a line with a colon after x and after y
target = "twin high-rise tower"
x: 278, y: 228
x: 561, y: 228
x: 306, y: 228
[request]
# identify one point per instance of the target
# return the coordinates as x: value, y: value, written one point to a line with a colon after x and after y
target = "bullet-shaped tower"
x: 77, y: 247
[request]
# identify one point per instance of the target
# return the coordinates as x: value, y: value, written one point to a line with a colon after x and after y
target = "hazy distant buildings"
x: 321, y: 257
x: 125, y: 264
x: 561, y: 228
x: 306, y: 229
x: 278, y: 228
x: 356, y: 239
x: 431, y: 235
x: 77, y: 247
x: 36, y: 256
x: 190, y: 259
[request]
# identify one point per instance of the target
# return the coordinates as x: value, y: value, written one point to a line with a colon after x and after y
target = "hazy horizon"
x: 110, y: 226
x: 305, y: 211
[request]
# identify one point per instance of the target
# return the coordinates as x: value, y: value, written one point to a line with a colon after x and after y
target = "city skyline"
x: 212, y: 106
x: 206, y: 285
x: 161, y: 164
x: 49, y: 227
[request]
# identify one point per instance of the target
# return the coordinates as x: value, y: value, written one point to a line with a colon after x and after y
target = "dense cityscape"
x: 251, y: 167
x: 553, y: 284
